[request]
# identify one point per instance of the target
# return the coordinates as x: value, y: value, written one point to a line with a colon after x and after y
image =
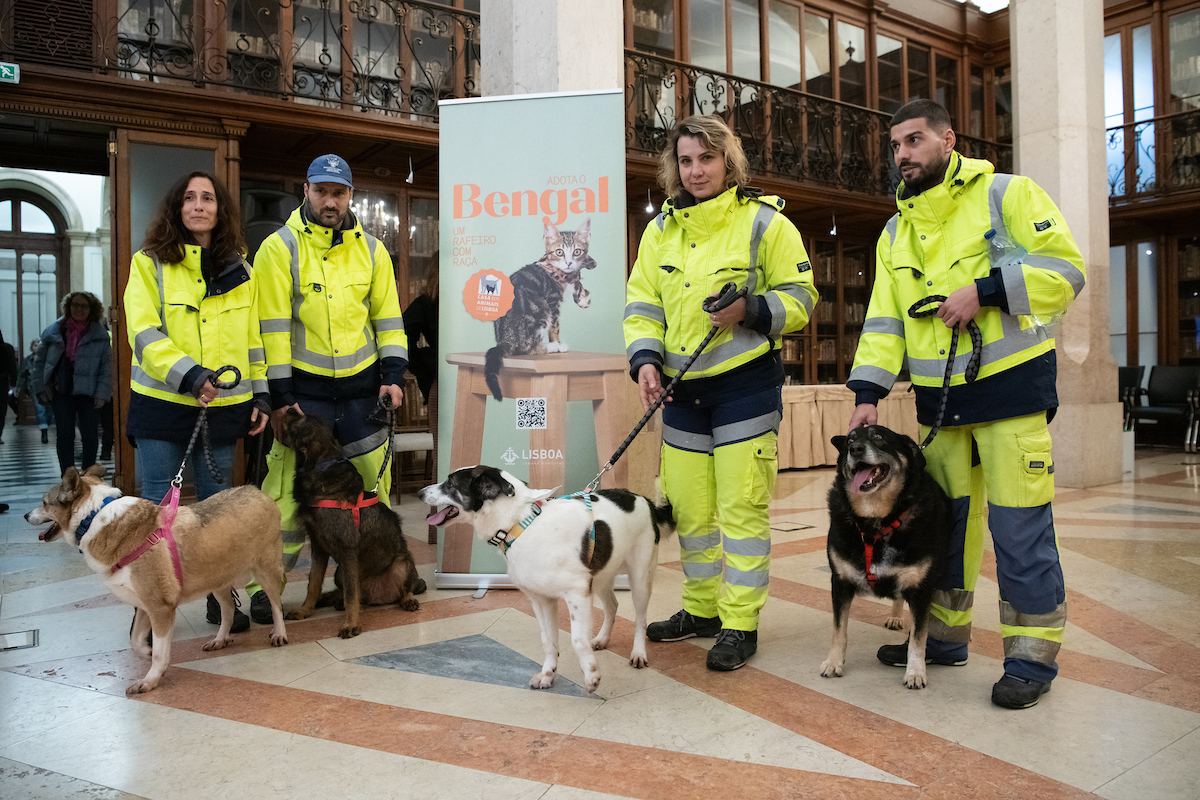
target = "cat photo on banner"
x: 531, y: 324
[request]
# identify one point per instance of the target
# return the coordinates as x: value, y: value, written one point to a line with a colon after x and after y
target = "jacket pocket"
x: 1036, y: 470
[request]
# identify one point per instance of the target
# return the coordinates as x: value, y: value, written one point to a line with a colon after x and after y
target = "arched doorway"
x: 35, y: 265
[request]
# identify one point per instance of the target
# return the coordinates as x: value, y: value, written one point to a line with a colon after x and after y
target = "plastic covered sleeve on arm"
x: 645, y: 318
x: 790, y: 295
x: 390, y: 336
x: 157, y: 355
x: 881, y: 346
x: 1052, y: 272
x: 273, y: 285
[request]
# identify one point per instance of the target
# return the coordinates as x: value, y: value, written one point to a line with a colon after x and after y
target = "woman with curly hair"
x: 72, y: 372
x: 191, y: 307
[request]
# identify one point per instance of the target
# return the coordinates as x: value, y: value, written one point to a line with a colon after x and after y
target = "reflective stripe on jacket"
x: 936, y: 244
x: 687, y: 254
x: 328, y: 305
x: 176, y: 322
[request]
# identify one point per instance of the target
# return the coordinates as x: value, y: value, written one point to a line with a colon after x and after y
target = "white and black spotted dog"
x: 548, y: 542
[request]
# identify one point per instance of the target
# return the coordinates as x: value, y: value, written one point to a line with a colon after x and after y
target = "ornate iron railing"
x: 786, y: 133
x: 392, y: 56
x: 1154, y: 156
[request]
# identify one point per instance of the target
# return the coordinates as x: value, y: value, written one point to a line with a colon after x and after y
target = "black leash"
x: 729, y: 293
x: 970, y: 372
x: 384, y: 414
x: 201, y: 429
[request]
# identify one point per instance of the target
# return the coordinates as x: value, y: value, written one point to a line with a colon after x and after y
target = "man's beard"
x: 927, y: 179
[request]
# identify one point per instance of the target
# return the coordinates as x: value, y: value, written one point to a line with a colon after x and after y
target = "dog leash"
x: 384, y: 414
x: 970, y: 372
x: 202, y: 427
x: 729, y: 292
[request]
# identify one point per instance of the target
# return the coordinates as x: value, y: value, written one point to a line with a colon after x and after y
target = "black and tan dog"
x: 374, y: 566
x: 889, y: 530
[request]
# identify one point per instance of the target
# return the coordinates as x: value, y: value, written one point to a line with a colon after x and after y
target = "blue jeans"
x: 157, y: 462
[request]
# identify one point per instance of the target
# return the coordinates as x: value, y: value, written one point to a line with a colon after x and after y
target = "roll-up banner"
x: 532, y: 254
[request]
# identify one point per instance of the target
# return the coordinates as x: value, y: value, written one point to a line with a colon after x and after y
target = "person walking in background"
x: 72, y: 371
x: 192, y: 297
x: 25, y: 387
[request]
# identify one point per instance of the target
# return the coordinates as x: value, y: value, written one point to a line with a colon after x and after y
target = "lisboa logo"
x: 510, y: 456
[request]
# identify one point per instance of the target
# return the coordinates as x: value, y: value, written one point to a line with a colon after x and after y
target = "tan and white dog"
x: 547, y: 546
x: 220, y: 541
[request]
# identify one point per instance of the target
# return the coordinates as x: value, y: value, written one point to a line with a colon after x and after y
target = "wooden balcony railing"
x: 786, y: 133
x: 1154, y: 156
x: 397, y: 57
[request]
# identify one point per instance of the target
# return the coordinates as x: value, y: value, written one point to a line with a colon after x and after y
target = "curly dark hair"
x: 166, y: 236
x: 95, y: 307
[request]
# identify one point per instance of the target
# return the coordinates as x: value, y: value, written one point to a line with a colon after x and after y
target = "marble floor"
x: 434, y: 704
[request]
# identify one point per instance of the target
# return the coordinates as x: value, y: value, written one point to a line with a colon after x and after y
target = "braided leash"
x: 970, y: 372
x: 201, y: 429
x: 729, y: 293
x: 384, y: 414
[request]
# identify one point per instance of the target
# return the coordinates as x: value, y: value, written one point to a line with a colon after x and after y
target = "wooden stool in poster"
x: 558, y: 377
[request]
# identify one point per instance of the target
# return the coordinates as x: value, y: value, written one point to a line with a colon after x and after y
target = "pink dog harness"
x: 170, y: 505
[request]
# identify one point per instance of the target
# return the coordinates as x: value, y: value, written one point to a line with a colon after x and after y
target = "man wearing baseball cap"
x: 333, y: 336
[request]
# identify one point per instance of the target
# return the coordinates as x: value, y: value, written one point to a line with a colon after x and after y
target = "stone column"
x: 1058, y: 115
x: 536, y: 46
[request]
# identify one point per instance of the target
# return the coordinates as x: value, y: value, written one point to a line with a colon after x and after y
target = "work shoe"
x: 732, y: 649
x: 896, y: 655
x: 682, y: 626
x: 45, y: 436
x: 1013, y: 692
x: 240, y: 621
x: 260, y: 608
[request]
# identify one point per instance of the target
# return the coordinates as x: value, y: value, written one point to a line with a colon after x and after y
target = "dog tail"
x: 491, y: 370
x: 664, y: 520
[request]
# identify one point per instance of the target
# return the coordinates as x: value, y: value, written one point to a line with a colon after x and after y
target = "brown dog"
x: 221, y: 541
x: 374, y: 564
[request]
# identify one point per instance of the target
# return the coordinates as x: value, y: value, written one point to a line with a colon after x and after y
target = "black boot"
x: 240, y: 621
x: 45, y: 436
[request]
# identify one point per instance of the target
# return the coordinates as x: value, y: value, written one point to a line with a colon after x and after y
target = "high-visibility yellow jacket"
x: 937, y: 243
x: 331, y: 318
x: 689, y: 253
x: 180, y: 325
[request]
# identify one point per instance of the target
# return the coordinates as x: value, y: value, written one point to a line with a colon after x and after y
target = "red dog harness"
x: 170, y: 505
x: 362, y: 502
x: 869, y: 547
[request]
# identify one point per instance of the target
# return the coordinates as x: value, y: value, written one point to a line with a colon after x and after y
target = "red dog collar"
x: 362, y: 502
x: 869, y: 547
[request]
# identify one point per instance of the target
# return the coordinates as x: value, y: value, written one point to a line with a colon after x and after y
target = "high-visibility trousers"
x: 1007, y: 461
x: 718, y: 470
x: 363, y: 443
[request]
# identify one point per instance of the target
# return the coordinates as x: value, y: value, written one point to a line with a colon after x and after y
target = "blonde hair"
x: 715, y: 135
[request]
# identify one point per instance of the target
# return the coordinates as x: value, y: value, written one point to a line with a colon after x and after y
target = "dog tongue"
x: 439, y: 516
x: 861, y: 477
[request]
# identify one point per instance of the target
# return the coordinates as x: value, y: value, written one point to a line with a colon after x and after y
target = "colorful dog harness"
x: 364, y: 499
x: 869, y: 547
x: 169, y: 505
x: 504, y: 538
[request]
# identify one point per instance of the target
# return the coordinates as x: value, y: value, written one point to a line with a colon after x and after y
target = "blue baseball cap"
x: 330, y: 169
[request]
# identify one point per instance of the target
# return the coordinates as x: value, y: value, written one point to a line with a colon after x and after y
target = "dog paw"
x: 894, y: 623
x: 591, y: 679
x: 541, y: 680
x: 278, y: 640
x: 141, y: 687
x: 350, y: 631
x: 831, y: 669
x: 639, y: 661
x: 599, y: 644
x: 218, y: 643
x: 410, y: 604
x: 298, y: 613
x: 915, y: 680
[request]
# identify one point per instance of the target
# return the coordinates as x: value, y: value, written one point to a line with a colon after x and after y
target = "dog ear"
x: 70, y: 481
x: 542, y: 494
x: 839, y: 442
x: 918, y: 455
x: 96, y: 471
x: 491, y: 484
x: 292, y: 412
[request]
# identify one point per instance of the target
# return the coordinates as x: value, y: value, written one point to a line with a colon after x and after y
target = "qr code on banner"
x: 531, y: 412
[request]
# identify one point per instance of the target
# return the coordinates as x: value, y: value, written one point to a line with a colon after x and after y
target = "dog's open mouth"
x: 868, y: 477
x: 50, y: 533
x: 442, y: 516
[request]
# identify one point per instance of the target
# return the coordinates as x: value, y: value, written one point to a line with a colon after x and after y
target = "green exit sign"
x: 9, y: 73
